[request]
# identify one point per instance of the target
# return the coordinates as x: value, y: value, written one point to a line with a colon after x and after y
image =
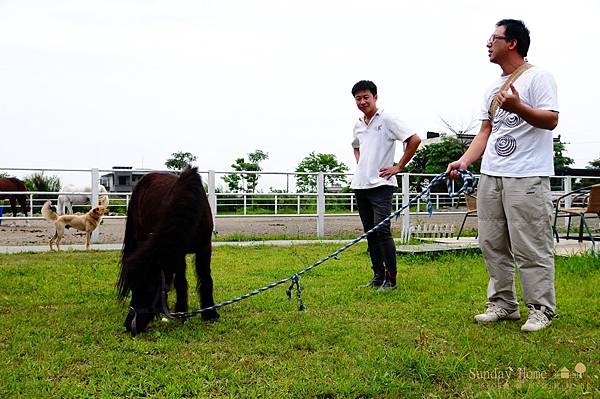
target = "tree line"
x: 429, y: 159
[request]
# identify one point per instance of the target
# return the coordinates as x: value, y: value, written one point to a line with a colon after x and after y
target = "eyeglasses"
x: 493, y: 38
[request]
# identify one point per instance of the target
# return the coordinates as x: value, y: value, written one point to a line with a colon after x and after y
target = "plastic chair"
x: 590, y: 198
x: 471, y: 200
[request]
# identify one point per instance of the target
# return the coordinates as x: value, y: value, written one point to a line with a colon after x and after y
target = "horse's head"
x: 146, y: 304
x: 142, y: 309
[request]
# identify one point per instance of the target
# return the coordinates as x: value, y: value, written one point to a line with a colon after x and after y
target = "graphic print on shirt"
x: 505, y: 145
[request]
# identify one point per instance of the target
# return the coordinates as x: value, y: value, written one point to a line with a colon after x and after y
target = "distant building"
x: 122, y: 179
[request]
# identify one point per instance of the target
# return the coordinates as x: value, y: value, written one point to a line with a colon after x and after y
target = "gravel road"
x: 36, y: 232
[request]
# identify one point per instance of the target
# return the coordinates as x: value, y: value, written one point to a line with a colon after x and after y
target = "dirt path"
x: 36, y: 232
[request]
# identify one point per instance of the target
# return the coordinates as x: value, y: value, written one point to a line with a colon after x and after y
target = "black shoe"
x: 374, y: 283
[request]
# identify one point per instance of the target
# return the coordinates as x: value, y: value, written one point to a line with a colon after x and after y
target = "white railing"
x: 317, y: 204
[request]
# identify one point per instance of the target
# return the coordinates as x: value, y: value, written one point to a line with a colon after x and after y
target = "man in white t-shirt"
x: 518, y: 114
x: 374, y: 182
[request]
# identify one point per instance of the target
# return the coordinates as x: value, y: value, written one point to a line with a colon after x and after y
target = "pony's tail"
x: 183, y: 212
x: 48, y: 213
x: 129, y: 246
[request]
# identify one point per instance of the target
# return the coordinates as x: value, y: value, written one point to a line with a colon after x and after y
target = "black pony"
x: 14, y: 184
x: 168, y: 217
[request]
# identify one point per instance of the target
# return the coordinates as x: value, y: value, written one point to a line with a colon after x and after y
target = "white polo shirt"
x: 377, y: 144
x: 515, y: 148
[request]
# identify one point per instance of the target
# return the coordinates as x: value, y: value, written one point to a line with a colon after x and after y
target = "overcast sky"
x: 100, y: 83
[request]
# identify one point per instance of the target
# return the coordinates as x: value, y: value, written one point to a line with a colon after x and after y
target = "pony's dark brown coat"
x: 168, y: 217
x: 14, y: 184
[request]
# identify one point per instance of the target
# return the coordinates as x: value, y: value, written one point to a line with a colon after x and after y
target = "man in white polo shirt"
x: 518, y: 114
x: 374, y: 182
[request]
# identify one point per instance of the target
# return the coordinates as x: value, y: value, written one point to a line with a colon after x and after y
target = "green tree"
x: 245, y: 182
x: 41, y: 182
x: 434, y: 159
x: 179, y: 160
x: 326, y: 163
x: 595, y: 164
x: 561, y: 162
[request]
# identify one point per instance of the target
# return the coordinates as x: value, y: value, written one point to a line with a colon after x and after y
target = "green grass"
x: 61, y: 332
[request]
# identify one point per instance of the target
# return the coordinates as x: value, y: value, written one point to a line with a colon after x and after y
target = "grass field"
x: 61, y: 332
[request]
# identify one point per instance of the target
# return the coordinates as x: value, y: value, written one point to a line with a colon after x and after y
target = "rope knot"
x: 296, y: 283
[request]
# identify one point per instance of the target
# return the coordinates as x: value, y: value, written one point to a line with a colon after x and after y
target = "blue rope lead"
x: 469, y: 181
x: 296, y: 283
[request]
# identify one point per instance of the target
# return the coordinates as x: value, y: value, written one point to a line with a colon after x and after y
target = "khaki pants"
x: 515, y: 227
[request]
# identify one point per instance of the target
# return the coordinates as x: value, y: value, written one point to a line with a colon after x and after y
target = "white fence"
x: 274, y: 202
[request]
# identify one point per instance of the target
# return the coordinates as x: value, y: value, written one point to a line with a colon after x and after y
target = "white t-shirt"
x: 515, y: 148
x: 377, y: 144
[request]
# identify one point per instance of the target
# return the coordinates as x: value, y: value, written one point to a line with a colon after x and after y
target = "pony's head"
x: 148, y: 284
x: 146, y: 303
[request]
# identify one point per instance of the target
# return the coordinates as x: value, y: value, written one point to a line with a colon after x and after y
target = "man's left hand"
x: 510, y: 100
x: 389, y: 171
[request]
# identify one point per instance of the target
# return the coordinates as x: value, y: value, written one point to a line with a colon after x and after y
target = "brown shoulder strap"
x: 511, y: 79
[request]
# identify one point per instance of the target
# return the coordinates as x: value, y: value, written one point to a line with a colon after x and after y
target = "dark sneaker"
x: 388, y: 285
x: 374, y: 283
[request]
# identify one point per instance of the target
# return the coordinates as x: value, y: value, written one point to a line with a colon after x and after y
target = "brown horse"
x: 168, y: 217
x: 14, y: 184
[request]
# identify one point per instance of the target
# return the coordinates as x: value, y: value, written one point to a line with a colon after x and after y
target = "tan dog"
x: 87, y: 222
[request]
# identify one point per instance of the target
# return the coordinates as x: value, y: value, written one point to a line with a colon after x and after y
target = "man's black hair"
x: 515, y: 29
x: 364, y: 85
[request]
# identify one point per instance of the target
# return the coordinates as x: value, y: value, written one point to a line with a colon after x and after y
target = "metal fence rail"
x: 282, y: 202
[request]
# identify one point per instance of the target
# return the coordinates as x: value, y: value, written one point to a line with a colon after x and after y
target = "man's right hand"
x: 453, y: 166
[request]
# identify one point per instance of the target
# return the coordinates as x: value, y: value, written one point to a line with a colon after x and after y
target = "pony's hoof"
x: 211, y: 315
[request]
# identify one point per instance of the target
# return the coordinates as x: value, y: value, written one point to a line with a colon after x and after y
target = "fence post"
x: 320, y: 205
x: 568, y: 189
x: 405, y: 201
x: 94, y: 200
x: 30, y: 205
x: 212, y: 196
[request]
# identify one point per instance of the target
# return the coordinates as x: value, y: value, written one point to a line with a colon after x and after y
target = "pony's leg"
x: 181, y: 285
x: 205, y: 283
x: 69, y: 206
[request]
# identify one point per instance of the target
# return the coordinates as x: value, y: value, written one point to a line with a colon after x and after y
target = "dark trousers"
x: 374, y: 205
